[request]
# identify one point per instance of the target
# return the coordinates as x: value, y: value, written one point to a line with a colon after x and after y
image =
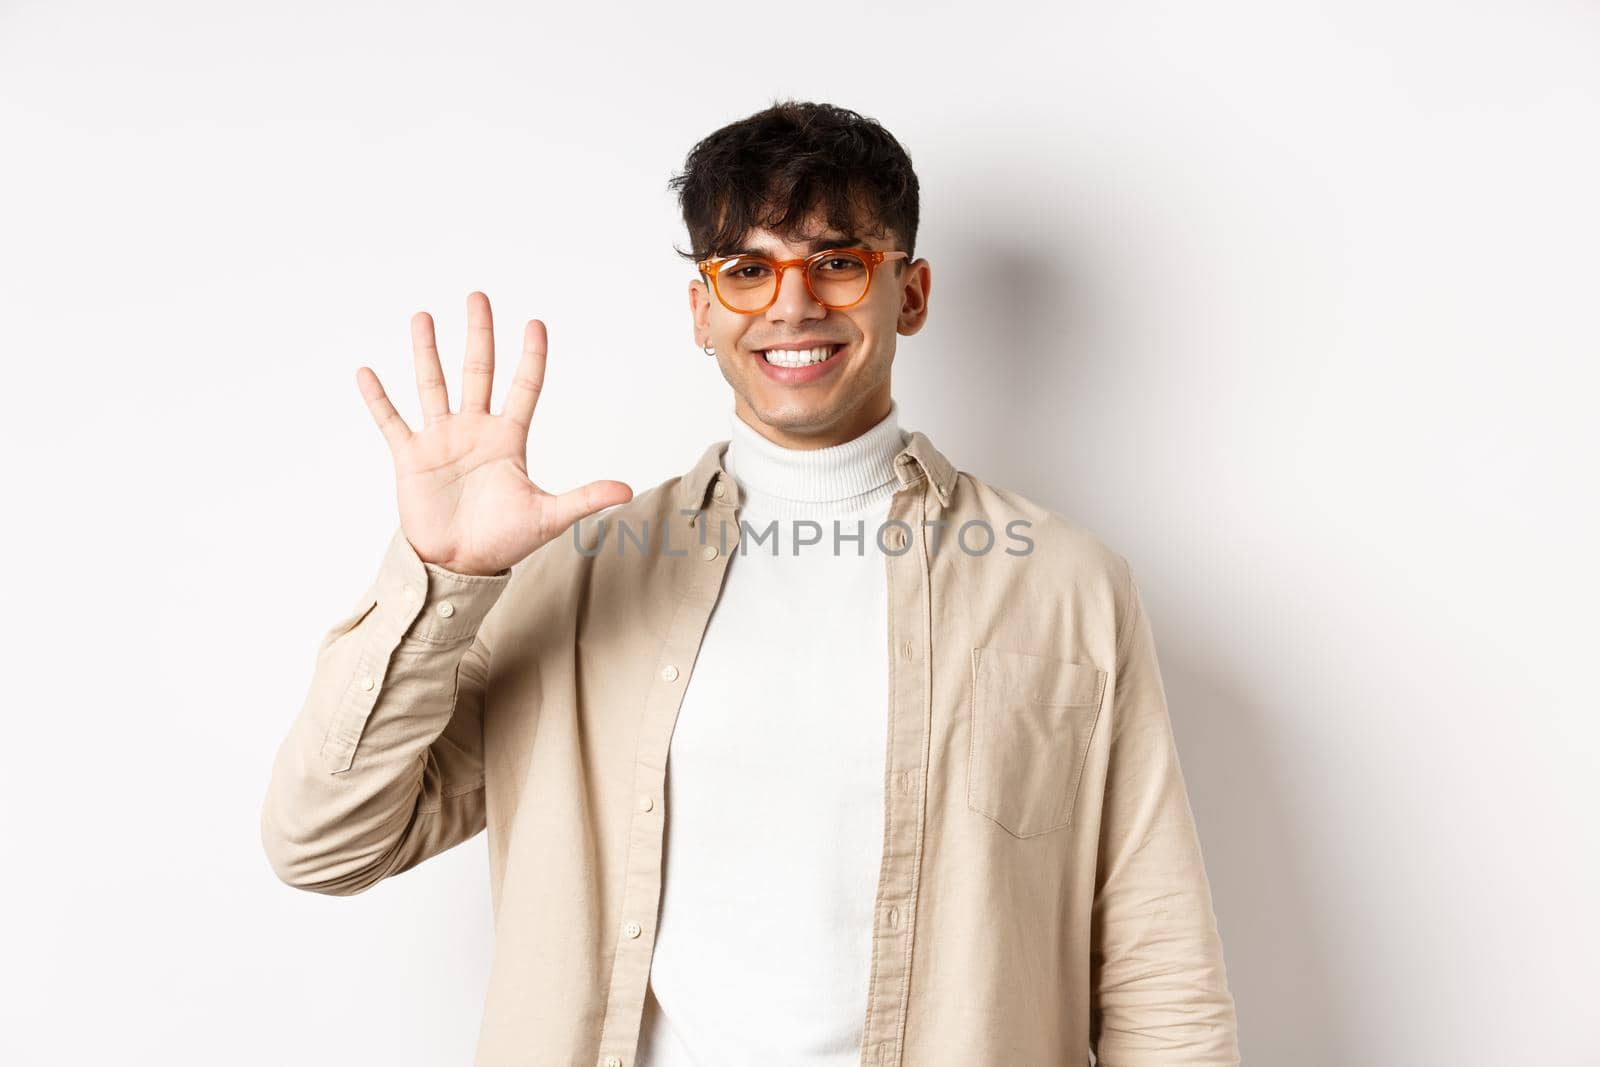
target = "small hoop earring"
x: 708, y: 350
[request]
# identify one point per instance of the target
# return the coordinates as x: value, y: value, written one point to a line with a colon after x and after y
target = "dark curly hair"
x: 775, y: 168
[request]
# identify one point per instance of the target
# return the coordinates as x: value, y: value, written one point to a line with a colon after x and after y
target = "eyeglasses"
x: 837, y: 278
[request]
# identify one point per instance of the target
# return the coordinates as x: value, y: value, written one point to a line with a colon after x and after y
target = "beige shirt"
x: 1041, y: 892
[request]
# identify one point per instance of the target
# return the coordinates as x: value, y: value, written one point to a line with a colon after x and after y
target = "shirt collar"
x: 918, y: 459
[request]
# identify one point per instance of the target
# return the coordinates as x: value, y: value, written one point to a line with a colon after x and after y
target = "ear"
x: 700, y: 311
x: 914, y: 287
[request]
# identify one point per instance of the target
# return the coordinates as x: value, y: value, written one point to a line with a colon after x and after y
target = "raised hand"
x: 466, y: 502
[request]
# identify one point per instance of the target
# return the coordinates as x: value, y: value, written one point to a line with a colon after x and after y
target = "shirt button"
x: 446, y: 608
x: 669, y: 673
x: 708, y: 552
x: 633, y: 929
x: 646, y: 802
x: 719, y: 490
x: 368, y: 682
x: 613, y: 1061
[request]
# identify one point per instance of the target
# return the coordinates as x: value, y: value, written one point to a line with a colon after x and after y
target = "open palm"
x: 466, y: 502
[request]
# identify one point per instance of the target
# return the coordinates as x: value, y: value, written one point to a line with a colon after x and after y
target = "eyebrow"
x: 816, y: 244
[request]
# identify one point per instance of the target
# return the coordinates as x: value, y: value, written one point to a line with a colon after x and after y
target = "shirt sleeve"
x: 1160, y: 986
x: 383, y: 766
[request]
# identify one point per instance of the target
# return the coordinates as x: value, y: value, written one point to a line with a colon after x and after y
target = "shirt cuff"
x: 427, y: 603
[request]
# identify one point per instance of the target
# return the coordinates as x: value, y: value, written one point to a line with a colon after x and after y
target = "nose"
x: 795, y: 302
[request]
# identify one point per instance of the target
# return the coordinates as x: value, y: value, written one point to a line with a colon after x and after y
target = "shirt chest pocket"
x: 1032, y: 718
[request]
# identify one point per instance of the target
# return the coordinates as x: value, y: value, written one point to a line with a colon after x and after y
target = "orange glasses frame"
x: 875, y: 258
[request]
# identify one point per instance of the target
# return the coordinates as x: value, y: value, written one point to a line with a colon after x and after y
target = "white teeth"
x: 797, y: 357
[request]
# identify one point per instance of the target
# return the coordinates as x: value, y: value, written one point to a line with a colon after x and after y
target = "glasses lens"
x: 839, y: 278
x: 746, y: 283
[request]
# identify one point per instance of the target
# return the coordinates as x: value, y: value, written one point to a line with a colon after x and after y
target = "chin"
x: 796, y: 416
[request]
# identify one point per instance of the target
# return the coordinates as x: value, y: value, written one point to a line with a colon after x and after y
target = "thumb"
x: 585, y: 500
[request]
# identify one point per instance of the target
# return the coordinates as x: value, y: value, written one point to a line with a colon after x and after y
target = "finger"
x: 430, y: 376
x: 394, y: 428
x: 529, y: 380
x: 477, y: 377
x: 585, y: 500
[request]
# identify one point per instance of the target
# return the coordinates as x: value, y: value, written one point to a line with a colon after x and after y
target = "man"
x: 924, y: 805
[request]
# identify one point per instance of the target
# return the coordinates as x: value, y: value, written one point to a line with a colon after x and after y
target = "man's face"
x: 827, y: 403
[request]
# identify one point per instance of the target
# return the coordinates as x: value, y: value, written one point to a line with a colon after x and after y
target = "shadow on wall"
x: 1289, y: 1006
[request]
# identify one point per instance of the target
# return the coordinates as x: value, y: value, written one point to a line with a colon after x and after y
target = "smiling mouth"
x: 799, y: 357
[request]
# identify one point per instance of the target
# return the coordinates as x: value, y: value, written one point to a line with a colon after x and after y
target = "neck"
x: 868, y: 414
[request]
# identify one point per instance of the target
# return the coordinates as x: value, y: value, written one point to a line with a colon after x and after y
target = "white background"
x: 1292, y: 304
